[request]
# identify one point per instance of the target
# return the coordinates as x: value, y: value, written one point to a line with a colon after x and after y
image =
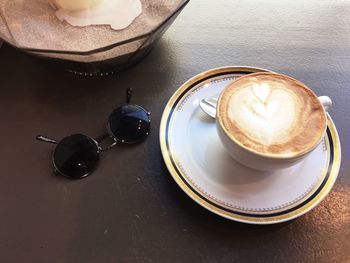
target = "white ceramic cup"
x: 259, y: 161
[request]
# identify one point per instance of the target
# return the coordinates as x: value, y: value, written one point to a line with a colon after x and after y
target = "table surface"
x: 130, y: 209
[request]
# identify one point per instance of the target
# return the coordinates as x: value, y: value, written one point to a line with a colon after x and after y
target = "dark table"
x: 130, y: 209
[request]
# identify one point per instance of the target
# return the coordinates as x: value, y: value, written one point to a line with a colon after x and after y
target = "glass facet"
x: 33, y: 26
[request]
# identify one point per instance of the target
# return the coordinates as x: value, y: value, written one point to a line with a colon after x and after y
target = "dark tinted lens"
x: 76, y: 156
x: 129, y: 123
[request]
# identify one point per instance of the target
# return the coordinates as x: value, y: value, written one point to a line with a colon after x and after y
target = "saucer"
x: 196, y: 159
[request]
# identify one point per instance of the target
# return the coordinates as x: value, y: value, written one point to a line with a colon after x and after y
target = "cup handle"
x: 326, y: 102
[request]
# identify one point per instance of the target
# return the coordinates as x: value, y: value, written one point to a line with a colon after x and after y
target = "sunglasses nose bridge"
x: 103, y: 138
x: 103, y: 149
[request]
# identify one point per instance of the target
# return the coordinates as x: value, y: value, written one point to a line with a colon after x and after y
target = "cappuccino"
x: 271, y: 114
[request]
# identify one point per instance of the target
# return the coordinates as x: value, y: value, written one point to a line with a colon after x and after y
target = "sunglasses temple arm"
x: 128, y: 95
x: 46, y: 139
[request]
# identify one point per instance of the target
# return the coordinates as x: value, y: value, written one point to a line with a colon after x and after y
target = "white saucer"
x: 200, y: 165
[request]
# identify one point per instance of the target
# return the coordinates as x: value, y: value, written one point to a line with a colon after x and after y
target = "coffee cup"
x: 269, y: 121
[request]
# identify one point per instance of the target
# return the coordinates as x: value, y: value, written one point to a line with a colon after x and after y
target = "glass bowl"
x: 33, y: 27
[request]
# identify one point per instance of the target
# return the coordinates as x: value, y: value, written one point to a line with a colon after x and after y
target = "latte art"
x: 264, y: 114
x: 271, y: 114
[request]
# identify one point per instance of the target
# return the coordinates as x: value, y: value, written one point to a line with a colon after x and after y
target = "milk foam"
x: 272, y: 113
x: 264, y: 112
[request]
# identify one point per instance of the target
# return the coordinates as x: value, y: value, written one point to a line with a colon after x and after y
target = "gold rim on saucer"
x: 301, y: 207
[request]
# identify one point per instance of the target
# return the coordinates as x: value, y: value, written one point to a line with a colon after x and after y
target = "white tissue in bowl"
x: 75, y: 5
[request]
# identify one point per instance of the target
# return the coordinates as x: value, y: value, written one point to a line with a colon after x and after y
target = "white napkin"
x: 118, y: 14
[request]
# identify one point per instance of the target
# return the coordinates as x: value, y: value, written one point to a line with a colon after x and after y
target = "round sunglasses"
x: 77, y: 155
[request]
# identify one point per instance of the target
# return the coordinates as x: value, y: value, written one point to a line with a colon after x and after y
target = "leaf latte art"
x: 272, y: 114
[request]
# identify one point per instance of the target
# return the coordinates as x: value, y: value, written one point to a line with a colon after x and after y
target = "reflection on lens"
x: 129, y: 123
x: 76, y: 156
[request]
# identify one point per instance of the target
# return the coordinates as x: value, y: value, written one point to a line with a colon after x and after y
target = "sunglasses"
x: 77, y: 155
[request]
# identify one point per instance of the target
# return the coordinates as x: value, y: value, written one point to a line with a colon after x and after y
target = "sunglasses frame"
x: 97, y: 141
